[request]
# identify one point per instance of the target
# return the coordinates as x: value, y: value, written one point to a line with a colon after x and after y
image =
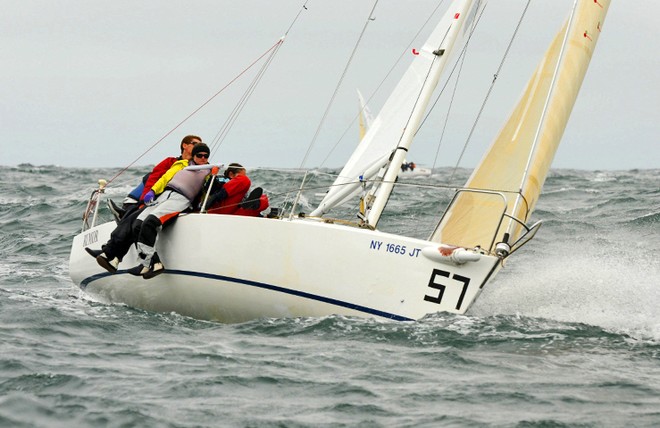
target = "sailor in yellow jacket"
x: 173, y: 193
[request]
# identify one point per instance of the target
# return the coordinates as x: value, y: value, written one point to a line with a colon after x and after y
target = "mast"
x: 391, y: 133
x: 382, y: 194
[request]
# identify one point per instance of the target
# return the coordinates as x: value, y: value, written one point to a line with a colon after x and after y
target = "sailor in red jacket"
x: 230, y: 199
x: 227, y: 200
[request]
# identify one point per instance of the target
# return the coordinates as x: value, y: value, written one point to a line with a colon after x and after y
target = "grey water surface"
x: 568, y: 334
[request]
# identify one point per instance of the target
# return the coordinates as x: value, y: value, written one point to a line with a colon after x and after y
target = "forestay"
x: 518, y: 161
x: 401, y: 115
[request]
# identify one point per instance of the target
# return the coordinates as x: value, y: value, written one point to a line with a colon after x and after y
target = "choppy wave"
x: 568, y: 333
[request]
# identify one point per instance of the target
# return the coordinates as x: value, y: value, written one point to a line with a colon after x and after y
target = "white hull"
x: 299, y: 267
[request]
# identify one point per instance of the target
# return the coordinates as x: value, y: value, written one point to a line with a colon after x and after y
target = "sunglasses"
x: 202, y: 155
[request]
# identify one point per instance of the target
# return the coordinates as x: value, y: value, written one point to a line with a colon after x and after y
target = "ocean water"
x: 567, y: 335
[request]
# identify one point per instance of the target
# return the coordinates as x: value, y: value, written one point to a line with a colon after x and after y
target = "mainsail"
x: 518, y: 161
x: 399, y: 119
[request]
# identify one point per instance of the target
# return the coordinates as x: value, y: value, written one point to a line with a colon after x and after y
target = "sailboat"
x: 408, y: 169
x: 320, y: 266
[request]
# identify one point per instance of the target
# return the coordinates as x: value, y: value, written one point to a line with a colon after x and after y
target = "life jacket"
x: 188, y: 182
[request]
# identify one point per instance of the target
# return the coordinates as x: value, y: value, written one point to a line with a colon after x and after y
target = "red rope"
x: 196, y: 110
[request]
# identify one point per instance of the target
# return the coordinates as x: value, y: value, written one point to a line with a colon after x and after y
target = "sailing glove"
x: 149, y: 197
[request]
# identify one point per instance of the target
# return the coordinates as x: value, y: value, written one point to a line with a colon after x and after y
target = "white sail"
x: 400, y: 116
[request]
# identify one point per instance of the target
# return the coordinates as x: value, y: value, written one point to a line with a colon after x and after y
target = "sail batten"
x: 520, y: 157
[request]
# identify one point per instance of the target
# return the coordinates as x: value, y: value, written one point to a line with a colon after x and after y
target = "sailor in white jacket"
x: 173, y: 193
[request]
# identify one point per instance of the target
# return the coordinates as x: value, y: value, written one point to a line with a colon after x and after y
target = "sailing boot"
x: 93, y: 253
x: 116, y: 211
x: 138, y: 270
x: 156, y: 267
x: 106, y: 263
x: 253, y: 201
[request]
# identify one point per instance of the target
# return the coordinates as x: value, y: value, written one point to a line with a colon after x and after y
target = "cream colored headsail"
x: 512, y: 164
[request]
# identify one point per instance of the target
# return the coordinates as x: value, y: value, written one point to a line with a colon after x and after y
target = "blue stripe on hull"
x: 271, y: 287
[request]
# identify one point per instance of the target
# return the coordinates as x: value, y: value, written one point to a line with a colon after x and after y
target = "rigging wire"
x: 323, y: 186
x: 490, y: 89
x: 373, y: 94
x: 551, y: 90
x: 238, y: 108
x: 273, y: 49
x: 196, y: 110
x: 461, y: 59
x: 446, y: 121
x: 304, y: 7
x: 341, y: 79
x: 451, y: 73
